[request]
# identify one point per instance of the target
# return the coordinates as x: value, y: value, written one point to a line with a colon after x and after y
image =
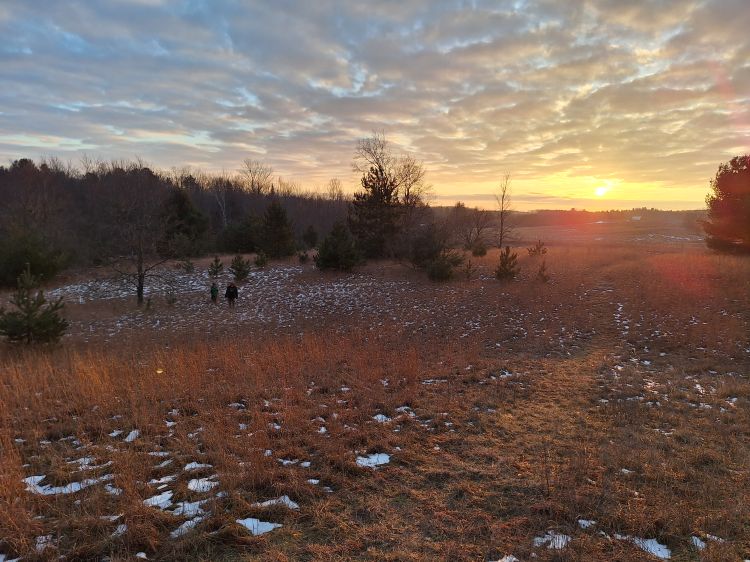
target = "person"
x: 214, y: 292
x: 231, y: 294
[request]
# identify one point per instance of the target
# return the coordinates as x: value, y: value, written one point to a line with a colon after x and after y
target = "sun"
x: 601, y: 191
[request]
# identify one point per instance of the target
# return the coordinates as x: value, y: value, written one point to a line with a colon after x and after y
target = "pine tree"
x: 215, y: 268
x: 728, y: 224
x: 508, y: 267
x: 538, y: 249
x: 241, y: 237
x: 261, y: 259
x: 373, y: 214
x: 277, y: 238
x: 338, y: 250
x: 310, y: 237
x: 542, y: 274
x: 20, y: 248
x: 240, y: 268
x: 35, y: 319
x: 184, y: 224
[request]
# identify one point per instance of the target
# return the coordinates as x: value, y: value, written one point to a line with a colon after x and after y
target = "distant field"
x: 378, y: 416
x: 616, y: 232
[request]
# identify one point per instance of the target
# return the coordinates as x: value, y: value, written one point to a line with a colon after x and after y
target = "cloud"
x: 651, y: 92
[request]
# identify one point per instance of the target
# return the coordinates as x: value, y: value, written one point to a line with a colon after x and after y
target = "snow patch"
x: 201, y: 484
x: 286, y: 501
x: 258, y: 527
x: 374, y: 460
x: 553, y: 540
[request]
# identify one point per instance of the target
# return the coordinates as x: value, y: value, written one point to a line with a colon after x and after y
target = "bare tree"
x: 373, y: 152
x: 334, y: 190
x: 504, y: 219
x: 257, y: 176
x: 387, y: 214
x: 411, y: 173
x: 469, y: 226
x: 219, y: 186
x: 137, y: 223
x: 288, y: 188
x: 404, y: 172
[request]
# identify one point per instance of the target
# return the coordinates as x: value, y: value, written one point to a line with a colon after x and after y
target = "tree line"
x: 55, y: 215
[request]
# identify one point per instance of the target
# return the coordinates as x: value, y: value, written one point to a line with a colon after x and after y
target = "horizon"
x: 593, y: 106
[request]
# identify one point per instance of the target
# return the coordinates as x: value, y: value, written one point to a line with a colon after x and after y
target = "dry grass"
x: 628, y: 360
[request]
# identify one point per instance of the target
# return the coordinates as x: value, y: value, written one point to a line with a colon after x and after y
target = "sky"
x: 587, y: 104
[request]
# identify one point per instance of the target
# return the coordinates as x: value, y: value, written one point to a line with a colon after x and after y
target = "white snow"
x: 162, y: 480
x: 196, y: 465
x: 586, y: 523
x: 286, y: 501
x: 256, y: 526
x: 32, y: 485
x: 189, y: 509
x: 202, y: 484
x: 552, y: 540
x: 376, y: 459
x: 652, y: 546
x: 132, y: 436
x: 697, y: 543
x: 186, y: 526
x: 43, y: 542
x: 162, y: 501
x: 381, y: 418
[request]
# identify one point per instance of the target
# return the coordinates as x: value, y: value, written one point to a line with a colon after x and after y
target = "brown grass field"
x: 603, y: 409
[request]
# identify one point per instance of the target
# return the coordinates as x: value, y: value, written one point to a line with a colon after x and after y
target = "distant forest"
x: 93, y: 214
x: 87, y: 214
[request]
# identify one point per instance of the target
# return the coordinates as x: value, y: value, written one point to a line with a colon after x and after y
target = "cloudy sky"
x: 590, y: 103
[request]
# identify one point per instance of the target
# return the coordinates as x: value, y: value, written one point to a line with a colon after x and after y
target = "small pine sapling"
x: 186, y: 266
x: 442, y: 267
x: 215, y: 268
x: 35, y: 319
x: 338, y: 250
x: 469, y: 270
x: 542, y: 274
x: 239, y: 268
x: 508, y: 268
x: 261, y: 260
x: 479, y: 249
x: 310, y: 237
x: 538, y: 249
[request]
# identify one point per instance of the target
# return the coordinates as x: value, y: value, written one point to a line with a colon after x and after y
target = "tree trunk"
x: 141, y: 283
x: 141, y: 277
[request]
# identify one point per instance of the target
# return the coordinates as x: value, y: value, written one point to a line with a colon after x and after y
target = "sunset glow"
x: 593, y: 104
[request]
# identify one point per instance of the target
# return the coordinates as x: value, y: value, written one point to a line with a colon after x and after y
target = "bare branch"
x: 257, y: 176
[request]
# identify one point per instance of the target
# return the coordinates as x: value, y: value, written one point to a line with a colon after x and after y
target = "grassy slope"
x: 484, y: 466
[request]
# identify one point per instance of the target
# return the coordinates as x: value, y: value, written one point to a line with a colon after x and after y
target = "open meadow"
x: 378, y: 416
